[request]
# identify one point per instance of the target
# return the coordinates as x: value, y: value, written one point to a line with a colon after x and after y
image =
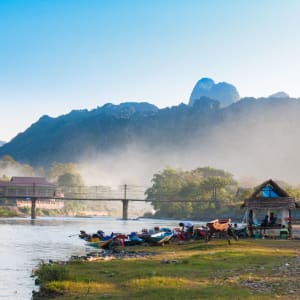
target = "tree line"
x: 201, y: 193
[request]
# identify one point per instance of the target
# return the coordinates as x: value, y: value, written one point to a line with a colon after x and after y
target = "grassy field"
x: 248, y: 269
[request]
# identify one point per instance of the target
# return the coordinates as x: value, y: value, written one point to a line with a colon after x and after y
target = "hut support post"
x: 290, y: 224
x: 33, y: 206
x: 33, y: 203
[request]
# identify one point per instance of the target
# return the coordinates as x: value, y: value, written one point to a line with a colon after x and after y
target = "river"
x: 23, y: 245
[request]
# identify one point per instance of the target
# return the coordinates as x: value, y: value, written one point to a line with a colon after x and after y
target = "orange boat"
x: 219, y: 224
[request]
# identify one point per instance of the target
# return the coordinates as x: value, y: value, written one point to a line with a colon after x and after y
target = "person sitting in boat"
x: 101, y: 234
x: 187, y: 228
x: 156, y: 229
x: 84, y: 235
x: 273, y: 219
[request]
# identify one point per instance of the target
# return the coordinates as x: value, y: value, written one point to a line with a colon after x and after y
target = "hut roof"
x: 270, y: 195
x: 271, y: 185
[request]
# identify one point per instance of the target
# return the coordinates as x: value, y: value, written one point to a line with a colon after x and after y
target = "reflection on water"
x: 23, y: 245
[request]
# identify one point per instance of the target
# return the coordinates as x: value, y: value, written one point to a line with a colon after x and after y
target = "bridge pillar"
x: 125, y: 209
x: 33, y: 205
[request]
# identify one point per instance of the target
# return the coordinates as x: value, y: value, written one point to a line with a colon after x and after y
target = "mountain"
x: 132, y: 141
x: 69, y: 136
x: 2, y: 143
x: 223, y: 92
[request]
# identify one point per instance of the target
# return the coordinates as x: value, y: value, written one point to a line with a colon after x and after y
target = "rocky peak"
x: 223, y: 92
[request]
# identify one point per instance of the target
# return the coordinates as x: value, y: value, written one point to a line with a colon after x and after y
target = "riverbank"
x: 248, y: 269
x: 8, y: 211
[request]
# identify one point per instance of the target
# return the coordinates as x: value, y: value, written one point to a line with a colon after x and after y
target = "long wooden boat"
x: 160, y: 238
x: 219, y: 224
x: 101, y: 243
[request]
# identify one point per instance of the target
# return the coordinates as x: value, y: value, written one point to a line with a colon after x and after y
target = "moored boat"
x: 160, y: 238
x: 104, y: 244
x: 97, y: 240
x: 131, y: 239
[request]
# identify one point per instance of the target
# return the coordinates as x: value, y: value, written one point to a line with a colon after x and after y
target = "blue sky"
x: 60, y: 55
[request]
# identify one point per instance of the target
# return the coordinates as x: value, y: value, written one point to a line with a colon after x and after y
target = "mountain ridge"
x: 111, y: 126
x: 129, y: 142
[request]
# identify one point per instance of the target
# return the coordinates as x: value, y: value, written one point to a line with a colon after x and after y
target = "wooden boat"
x: 220, y: 227
x: 160, y: 238
x: 219, y: 224
x: 133, y: 239
x: 104, y: 244
x: 97, y: 240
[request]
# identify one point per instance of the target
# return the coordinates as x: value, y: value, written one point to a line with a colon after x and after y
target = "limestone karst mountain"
x: 253, y: 136
x: 223, y: 92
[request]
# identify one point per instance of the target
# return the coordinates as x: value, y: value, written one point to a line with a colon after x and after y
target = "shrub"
x: 51, y: 272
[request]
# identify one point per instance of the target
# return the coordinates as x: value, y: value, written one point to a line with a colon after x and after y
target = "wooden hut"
x: 269, y: 198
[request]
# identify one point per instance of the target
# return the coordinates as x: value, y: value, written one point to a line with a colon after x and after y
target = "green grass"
x: 6, y: 213
x: 248, y: 269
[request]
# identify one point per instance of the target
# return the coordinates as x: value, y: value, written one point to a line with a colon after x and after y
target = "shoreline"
x: 245, y: 270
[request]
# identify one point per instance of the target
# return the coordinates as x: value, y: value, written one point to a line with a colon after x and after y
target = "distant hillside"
x: 2, y: 143
x: 257, y: 137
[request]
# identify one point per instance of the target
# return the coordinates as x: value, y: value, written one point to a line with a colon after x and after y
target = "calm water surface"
x: 23, y: 245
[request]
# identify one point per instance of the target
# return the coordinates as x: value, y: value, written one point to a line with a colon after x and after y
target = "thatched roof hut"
x: 269, y: 195
x: 268, y: 198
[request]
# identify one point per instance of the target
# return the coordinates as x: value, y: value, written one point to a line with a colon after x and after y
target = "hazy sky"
x: 59, y: 55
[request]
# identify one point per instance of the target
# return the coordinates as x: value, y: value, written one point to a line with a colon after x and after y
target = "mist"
x: 259, y: 141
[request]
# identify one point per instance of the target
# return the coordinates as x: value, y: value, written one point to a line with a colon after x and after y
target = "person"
x: 187, y: 228
x: 265, y: 221
x: 100, y: 234
x: 283, y: 232
x: 272, y: 219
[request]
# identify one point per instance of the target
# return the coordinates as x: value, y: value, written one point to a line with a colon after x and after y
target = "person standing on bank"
x: 187, y: 228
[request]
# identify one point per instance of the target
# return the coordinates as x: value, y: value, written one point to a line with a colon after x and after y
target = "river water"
x: 23, y: 245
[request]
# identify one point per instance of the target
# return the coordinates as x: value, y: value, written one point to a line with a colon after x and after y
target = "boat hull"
x: 100, y: 244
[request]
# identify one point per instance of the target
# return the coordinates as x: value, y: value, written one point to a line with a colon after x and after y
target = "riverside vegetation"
x: 202, y: 193
x: 248, y: 269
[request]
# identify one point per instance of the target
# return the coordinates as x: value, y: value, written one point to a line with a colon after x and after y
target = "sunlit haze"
x: 57, y: 56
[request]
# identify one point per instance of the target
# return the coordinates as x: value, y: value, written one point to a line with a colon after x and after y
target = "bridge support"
x: 33, y: 205
x: 125, y: 209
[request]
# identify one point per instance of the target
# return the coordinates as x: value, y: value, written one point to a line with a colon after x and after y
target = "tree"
x: 186, y: 194
x: 58, y: 169
x: 164, y: 191
x: 71, y: 180
x: 10, y: 167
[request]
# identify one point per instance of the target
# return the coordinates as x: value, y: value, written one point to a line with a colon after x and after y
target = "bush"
x: 51, y: 272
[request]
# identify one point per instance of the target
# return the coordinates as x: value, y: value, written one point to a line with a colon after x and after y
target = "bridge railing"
x: 27, y: 191
x: 72, y: 192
